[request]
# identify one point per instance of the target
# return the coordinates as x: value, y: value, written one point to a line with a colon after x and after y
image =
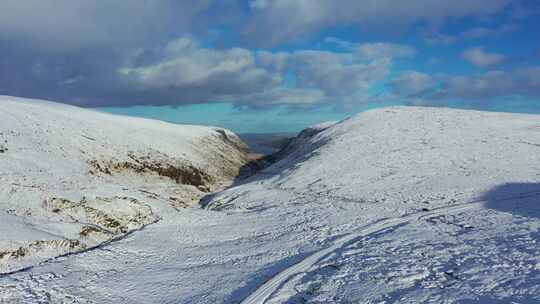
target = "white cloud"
x: 275, y: 21
x: 412, y: 83
x: 259, y: 4
x: 439, y: 38
x: 334, y: 73
x: 488, y: 85
x: 284, y: 96
x: 481, y: 32
x: 419, y: 88
x: 481, y: 58
x: 473, y: 33
x: 209, y: 73
x: 375, y: 50
x: 337, y: 74
x: 273, y: 61
x: 385, y: 50
x: 259, y: 78
x: 339, y: 42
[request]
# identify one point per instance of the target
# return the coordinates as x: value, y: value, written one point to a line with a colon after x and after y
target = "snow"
x: 72, y: 179
x: 396, y: 205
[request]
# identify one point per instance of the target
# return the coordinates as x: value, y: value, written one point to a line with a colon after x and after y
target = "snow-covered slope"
x: 71, y: 179
x: 420, y: 205
x: 397, y: 205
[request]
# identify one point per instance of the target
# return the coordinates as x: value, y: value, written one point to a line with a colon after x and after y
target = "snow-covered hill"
x: 71, y: 179
x: 412, y: 205
x: 396, y: 205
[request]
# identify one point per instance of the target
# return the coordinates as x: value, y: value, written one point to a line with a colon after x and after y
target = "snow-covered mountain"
x: 396, y: 205
x: 72, y: 179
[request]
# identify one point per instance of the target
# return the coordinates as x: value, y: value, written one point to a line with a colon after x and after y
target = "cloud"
x: 320, y: 76
x: 412, y: 83
x: 439, y: 38
x: 294, y: 97
x: 339, y: 42
x: 481, y: 32
x: 190, y: 73
x: 71, y: 50
x: 385, y: 50
x: 375, y: 50
x: 121, y: 53
x: 419, y: 88
x: 336, y: 73
x: 259, y: 4
x: 261, y: 79
x: 167, y: 52
x: 484, y: 86
x: 64, y: 25
x: 276, y: 21
x: 186, y: 66
x: 478, y: 57
x: 473, y: 33
x: 182, y: 71
x: 273, y: 61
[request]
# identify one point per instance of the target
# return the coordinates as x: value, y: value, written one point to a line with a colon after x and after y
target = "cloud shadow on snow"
x: 521, y: 199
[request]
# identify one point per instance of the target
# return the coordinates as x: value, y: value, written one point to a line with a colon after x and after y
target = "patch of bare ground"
x: 111, y: 216
x: 160, y: 164
x: 36, y: 246
x: 101, y: 220
x: 10, y: 260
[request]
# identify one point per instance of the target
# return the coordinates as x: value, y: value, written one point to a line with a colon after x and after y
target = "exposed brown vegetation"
x: 180, y: 173
x: 35, y: 246
x: 82, y: 211
x: 87, y: 230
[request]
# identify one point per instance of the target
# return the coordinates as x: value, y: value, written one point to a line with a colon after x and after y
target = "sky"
x: 259, y: 66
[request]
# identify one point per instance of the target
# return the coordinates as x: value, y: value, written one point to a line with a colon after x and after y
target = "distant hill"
x: 266, y: 143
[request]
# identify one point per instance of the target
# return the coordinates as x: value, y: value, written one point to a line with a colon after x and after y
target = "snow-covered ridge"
x: 423, y: 203
x: 395, y: 205
x: 72, y: 178
x: 415, y: 148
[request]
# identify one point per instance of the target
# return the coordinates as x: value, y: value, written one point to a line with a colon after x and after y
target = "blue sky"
x: 271, y: 65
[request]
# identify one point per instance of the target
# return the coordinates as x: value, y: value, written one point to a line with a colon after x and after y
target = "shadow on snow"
x: 517, y: 198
